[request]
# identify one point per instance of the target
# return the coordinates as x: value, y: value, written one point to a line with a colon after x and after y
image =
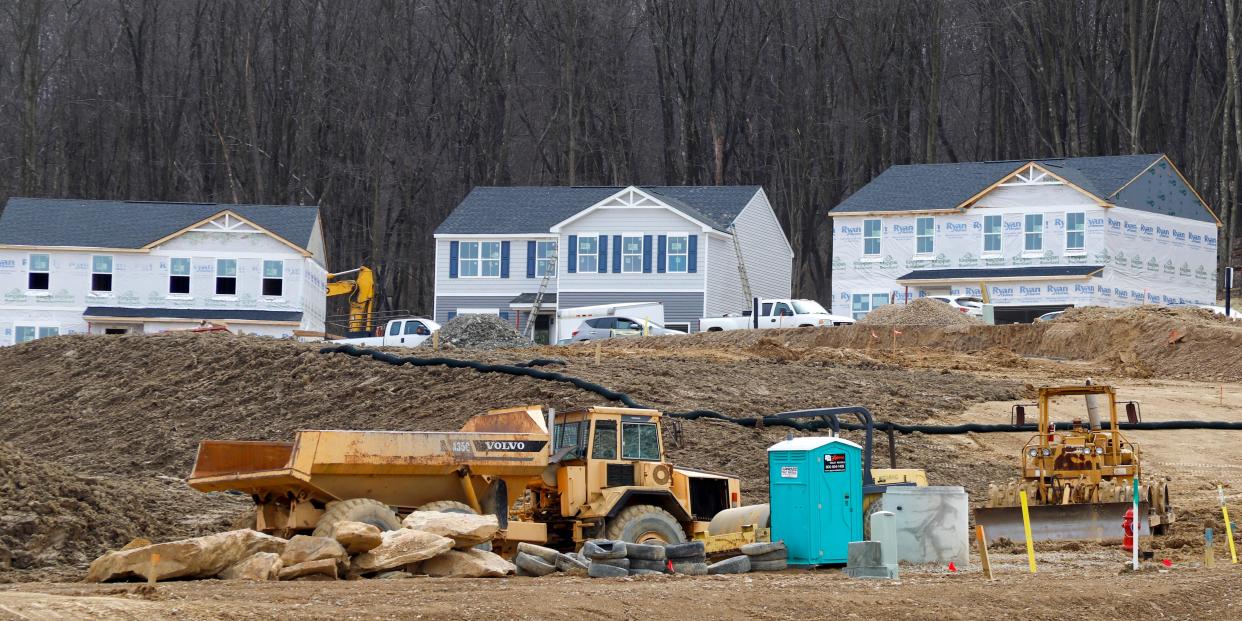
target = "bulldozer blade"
x: 1094, y: 521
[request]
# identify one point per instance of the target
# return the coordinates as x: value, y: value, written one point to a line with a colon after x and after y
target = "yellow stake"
x: 1224, y: 512
x: 1026, y: 525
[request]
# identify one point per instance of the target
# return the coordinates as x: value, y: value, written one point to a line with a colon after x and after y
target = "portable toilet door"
x: 815, y: 491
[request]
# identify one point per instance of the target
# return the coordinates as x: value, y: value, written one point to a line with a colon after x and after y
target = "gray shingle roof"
x: 134, y: 224
x: 191, y: 313
x: 536, y: 209
x: 1002, y: 272
x: 917, y: 187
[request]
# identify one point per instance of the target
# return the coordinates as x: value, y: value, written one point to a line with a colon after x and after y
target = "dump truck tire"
x: 601, y: 549
x: 547, y: 554
x: 645, y: 552
x: 733, y: 565
x: 638, y: 563
x: 645, y: 524
x: 533, y: 565
x: 690, y: 569
x: 365, y: 510
x: 779, y: 555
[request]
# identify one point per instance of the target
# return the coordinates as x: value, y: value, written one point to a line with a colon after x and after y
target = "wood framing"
x: 228, y: 214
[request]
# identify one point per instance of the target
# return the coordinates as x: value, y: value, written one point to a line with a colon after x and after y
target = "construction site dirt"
x: 101, y: 431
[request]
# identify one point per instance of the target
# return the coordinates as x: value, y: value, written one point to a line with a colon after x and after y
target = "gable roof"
x: 534, y: 210
x: 936, y: 187
x: 135, y: 224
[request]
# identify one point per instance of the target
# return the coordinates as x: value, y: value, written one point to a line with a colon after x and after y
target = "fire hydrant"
x: 1127, y: 526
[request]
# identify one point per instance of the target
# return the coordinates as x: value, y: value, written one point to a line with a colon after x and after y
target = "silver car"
x: 598, y: 328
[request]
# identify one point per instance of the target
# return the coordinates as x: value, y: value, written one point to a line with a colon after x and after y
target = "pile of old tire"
x: 608, y: 559
x: 646, y: 559
x: 687, y: 558
x: 767, y: 555
x: 533, y: 560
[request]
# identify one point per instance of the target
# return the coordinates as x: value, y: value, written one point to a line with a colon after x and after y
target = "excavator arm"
x: 361, y: 292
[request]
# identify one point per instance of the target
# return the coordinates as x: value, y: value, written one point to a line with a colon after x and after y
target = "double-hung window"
x: 179, y: 276
x: 678, y: 253
x: 1033, y: 232
x: 588, y: 253
x: 863, y: 303
x: 991, y: 234
x: 226, y: 276
x: 273, y: 278
x: 101, y: 274
x: 23, y: 334
x: 640, y: 441
x: 925, y: 236
x: 1075, y: 232
x: 545, y: 258
x: 631, y: 254
x: 40, y: 276
x: 479, y: 259
x: 871, y: 238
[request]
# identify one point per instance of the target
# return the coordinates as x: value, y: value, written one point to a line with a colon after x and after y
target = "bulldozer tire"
x: 452, y: 506
x: 365, y: 510
x: 645, y: 524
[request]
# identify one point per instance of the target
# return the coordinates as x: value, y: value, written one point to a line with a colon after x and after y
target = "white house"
x: 1040, y: 235
x: 603, y: 245
x: 115, y: 267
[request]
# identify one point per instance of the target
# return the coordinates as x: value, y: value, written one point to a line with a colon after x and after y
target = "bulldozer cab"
x: 1085, y: 451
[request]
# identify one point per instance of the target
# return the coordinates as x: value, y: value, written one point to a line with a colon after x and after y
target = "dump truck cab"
x: 608, y: 477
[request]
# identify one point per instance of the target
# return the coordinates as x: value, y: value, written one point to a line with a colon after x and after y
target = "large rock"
x: 357, y: 537
x: 400, y: 548
x: 200, y: 557
x: 322, y: 567
x: 260, y: 567
x: 465, y: 529
x: 470, y: 563
x: 303, y: 548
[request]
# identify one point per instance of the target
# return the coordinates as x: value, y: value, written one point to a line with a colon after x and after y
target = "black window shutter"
x: 572, y: 268
x: 452, y: 259
x: 530, y: 259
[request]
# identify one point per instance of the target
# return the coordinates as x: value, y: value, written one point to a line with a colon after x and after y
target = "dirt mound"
x: 923, y: 312
x: 479, y: 332
x: 52, y: 517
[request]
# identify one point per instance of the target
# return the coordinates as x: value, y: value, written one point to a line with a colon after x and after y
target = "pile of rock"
x: 921, y: 312
x: 478, y: 332
x: 429, y: 543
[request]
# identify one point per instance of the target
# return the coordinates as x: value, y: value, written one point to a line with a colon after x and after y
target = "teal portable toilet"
x: 815, y: 489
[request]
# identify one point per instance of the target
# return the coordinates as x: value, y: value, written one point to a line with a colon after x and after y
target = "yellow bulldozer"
x: 1078, y: 481
x: 559, y: 479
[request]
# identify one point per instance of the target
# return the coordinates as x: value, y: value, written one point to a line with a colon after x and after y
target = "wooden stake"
x: 598, y: 351
x: 155, y: 560
x: 1026, y: 526
x: 435, y: 340
x: 983, y: 552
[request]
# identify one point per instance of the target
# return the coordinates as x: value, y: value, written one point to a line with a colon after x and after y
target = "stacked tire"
x: 767, y: 555
x: 687, y: 558
x: 608, y: 559
x: 646, y: 560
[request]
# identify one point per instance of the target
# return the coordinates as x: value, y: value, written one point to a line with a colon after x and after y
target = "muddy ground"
x: 108, y: 427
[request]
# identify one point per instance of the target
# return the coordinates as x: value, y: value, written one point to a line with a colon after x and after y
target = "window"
x: 101, y: 273
x: 569, y: 435
x: 588, y: 253
x: 416, y: 328
x: 864, y: 303
x: 871, y: 238
x: 766, y: 310
x: 479, y: 259
x: 23, y: 334
x: 783, y: 310
x: 605, y: 444
x: 179, y: 276
x: 678, y: 253
x: 226, y: 276
x: 991, y: 234
x: 274, y: 278
x: 1075, y: 231
x: 40, y: 266
x: 1034, y: 232
x: 925, y: 236
x: 631, y: 254
x: 640, y: 441
x: 545, y: 258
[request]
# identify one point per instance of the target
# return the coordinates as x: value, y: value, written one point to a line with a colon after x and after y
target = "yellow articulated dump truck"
x: 559, y: 479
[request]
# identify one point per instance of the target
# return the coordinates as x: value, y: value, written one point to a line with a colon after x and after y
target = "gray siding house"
x: 605, y: 245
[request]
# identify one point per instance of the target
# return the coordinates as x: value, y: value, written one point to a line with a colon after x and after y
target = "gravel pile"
x: 922, y: 312
x: 479, y: 332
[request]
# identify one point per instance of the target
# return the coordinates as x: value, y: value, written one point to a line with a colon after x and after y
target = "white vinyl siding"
x: 615, y: 223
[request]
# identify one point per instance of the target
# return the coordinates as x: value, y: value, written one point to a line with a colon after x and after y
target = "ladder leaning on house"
x: 741, y: 266
x: 537, y: 304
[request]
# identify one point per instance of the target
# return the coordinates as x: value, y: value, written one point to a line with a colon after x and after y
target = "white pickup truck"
x: 404, y: 332
x: 777, y: 313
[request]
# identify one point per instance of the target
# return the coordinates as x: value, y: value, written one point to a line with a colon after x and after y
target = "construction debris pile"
x: 479, y: 332
x: 921, y: 312
x: 429, y: 543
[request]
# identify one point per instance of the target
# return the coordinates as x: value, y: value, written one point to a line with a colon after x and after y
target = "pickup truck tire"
x: 644, y: 524
x: 365, y: 510
x: 453, y: 506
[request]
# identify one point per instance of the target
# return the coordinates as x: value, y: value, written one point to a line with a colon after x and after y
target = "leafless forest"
x: 386, y: 112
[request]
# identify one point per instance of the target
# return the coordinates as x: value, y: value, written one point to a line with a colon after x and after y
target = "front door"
x: 836, y: 495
